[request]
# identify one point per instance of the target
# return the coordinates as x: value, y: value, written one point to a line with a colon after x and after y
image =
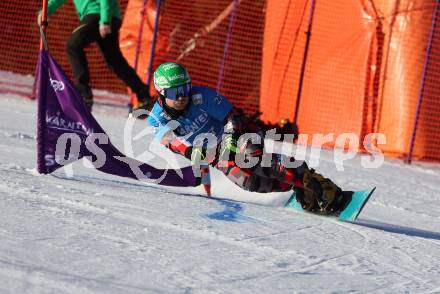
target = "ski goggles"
x: 175, y: 92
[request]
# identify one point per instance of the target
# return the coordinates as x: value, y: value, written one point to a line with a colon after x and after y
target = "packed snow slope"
x: 82, y: 231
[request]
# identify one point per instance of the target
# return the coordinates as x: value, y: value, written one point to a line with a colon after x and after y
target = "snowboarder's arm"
x: 184, y: 148
x: 163, y: 132
x: 176, y: 144
x: 234, y: 127
x: 236, y: 124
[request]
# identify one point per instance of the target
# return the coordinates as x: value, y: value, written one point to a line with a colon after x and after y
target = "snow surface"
x: 81, y: 231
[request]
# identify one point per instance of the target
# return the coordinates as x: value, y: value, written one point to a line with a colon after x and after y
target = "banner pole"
x: 41, y: 28
x: 41, y: 93
x: 44, y: 22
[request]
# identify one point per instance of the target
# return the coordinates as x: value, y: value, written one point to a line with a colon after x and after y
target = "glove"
x: 228, y: 148
x: 200, y: 156
x: 196, y: 154
x: 233, y: 127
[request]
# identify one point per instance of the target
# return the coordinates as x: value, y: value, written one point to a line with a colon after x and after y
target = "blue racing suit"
x: 210, y: 113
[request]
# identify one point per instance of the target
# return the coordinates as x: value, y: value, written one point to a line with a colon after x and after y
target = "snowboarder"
x: 184, y: 112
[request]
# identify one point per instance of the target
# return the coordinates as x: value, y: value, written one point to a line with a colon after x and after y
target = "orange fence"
x: 220, y: 42
x: 371, y: 65
x: 20, y: 41
x: 427, y: 136
x: 364, y: 71
x: 407, y: 27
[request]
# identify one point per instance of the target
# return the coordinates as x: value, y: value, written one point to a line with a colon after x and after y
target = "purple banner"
x: 67, y: 131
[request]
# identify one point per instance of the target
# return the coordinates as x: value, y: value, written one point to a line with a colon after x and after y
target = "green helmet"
x: 170, y: 75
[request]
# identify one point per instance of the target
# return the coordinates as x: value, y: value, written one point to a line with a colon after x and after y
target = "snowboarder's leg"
x: 315, y: 192
x: 249, y: 180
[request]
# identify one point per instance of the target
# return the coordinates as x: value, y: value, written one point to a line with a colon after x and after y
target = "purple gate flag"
x: 64, y: 120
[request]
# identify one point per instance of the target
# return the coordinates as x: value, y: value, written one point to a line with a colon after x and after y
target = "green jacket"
x: 105, y: 8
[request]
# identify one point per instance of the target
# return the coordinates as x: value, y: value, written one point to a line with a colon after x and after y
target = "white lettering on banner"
x: 57, y: 85
x: 58, y: 122
x: 49, y: 159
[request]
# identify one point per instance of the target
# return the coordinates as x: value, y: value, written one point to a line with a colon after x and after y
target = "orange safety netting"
x: 364, y: 70
x: 136, y: 38
x: 20, y: 41
x: 427, y: 139
x: 195, y: 34
x: 407, y: 26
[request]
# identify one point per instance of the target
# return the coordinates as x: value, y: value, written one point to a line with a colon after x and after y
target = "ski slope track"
x: 82, y: 231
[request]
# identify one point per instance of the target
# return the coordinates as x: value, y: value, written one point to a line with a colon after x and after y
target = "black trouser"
x: 314, y: 192
x: 86, y: 33
x: 273, y: 178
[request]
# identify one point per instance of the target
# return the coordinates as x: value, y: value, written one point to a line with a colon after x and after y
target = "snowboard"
x: 350, y: 213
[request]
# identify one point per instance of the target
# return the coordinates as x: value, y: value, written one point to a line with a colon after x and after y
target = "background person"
x: 100, y: 22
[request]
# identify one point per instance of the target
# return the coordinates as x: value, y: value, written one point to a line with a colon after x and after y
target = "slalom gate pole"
x: 226, y: 48
x: 304, y: 63
x: 41, y: 110
x: 153, y: 44
x: 44, y: 23
x: 422, y: 84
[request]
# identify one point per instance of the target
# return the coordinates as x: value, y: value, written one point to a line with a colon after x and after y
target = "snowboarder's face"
x: 178, y: 104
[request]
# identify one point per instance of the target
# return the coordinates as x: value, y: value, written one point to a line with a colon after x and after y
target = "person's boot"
x: 321, y: 195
